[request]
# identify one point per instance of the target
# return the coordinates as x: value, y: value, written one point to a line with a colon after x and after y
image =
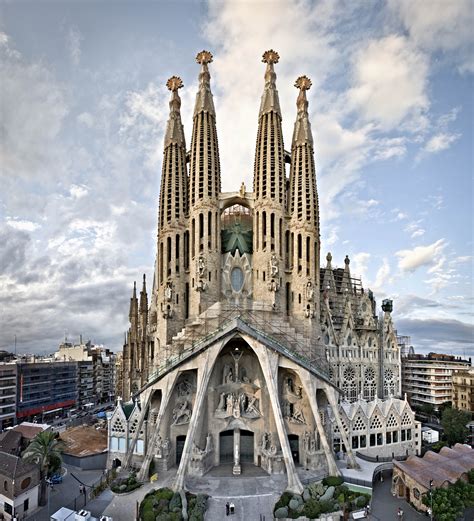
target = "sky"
x: 83, y: 107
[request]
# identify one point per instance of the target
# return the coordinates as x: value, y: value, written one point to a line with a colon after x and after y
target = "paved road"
x: 64, y: 493
x: 385, y: 506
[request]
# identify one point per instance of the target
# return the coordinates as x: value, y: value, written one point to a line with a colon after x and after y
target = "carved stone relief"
x: 182, y: 413
x: 237, y: 404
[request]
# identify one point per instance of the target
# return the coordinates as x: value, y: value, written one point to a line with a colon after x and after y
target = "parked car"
x: 55, y: 479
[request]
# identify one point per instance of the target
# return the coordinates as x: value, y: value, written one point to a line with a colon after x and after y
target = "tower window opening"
x: 264, y: 229
x: 209, y: 229
x: 308, y: 254
x: 263, y: 276
x: 280, y: 237
x: 160, y: 264
x: 168, y: 256
x: 177, y: 253
x: 193, y: 238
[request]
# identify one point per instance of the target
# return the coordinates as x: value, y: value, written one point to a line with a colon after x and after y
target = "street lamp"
x: 431, y: 499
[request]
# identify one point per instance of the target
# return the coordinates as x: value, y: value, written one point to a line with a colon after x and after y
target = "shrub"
x: 326, y: 506
x: 164, y: 493
x: 361, y: 501
x: 284, y: 501
x: 311, y: 509
x: 148, y: 516
x: 333, y: 481
x: 281, y: 513
x: 175, y: 501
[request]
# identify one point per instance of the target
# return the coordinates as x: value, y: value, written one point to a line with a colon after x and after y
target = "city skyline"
x: 84, y: 107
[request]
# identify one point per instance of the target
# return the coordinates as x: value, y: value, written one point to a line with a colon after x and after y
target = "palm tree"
x: 44, y: 450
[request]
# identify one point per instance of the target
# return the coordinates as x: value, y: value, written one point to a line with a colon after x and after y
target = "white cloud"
x: 359, y: 264
x: 411, y: 260
x: 33, y: 111
x: 414, y: 229
x: 440, y: 25
x: 86, y: 118
x: 382, y: 276
x: 27, y: 226
x: 390, y: 80
x: 78, y: 191
x: 74, y: 39
x: 440, y: 142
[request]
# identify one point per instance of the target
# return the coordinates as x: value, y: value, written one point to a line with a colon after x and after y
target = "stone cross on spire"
x: 204, y: 100
x: 270, y: 101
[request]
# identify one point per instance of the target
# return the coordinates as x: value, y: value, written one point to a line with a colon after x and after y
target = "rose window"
x: 349, y: 374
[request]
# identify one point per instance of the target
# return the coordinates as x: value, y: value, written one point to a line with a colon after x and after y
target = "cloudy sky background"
x: 83, y: 106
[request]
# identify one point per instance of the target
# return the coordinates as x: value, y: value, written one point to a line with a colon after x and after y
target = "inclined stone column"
x: 237, y: 469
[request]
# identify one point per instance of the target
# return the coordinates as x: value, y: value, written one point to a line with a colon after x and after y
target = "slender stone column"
x: 331, y: 395
x: 269, y: 363
x: 167, y: 388
x: 204, y: 374
x: 310, y: 389
x: 237, y: 468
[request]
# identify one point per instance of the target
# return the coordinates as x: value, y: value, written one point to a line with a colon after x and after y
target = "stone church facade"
x: 246, y: 345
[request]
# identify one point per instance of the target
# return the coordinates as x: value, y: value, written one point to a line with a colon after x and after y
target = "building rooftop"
x: 447, y: 466
x: 10, y: 442
x: 29, y: 430
x: 12, y: 466
x: 84, y: 440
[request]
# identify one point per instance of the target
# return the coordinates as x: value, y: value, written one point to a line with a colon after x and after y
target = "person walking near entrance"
x: 227, y: 508
x: 400, y: 514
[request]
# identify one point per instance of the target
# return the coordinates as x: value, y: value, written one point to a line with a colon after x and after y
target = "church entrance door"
x: 226, y: 447
x: 294, y: 447
x: 246, y: 446
x: 179, y: 448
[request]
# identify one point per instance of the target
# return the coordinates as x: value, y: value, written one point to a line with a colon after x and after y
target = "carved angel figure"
x: 273, y: 265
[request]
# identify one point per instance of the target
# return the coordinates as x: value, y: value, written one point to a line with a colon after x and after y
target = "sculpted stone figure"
x: 169, y: 292
x: 273, y: 265
x: 309, y: 290
x: 181, y: 413
x: 201, y: 266
x: 184, y: 387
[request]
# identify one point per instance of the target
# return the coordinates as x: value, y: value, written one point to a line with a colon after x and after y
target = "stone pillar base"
x: 237, y: 470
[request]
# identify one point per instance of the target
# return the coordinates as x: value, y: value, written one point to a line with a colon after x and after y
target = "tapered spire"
x: 303, y: 202
x: 205, y: 176
x: 173, y: 193
x: 133, y: 313
x: 143, y: 297
x: 269, y: 167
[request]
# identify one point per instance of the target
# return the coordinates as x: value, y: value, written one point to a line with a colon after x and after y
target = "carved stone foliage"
x: 182, y: 413
x: 237, y: 404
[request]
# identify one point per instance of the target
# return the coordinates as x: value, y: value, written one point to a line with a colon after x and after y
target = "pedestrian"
x: 400, y: 514
x: 232, y: 508
x: 227, y: 508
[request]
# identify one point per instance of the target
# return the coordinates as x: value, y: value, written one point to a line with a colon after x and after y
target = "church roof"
x: 447, y: 466
x: 368, y: 408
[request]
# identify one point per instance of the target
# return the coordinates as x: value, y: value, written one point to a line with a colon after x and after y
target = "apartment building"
x: 7, y: 395
x: 428, y: 379
x: 463, y: 389
x: 96, y: 371
x: 45, y: 388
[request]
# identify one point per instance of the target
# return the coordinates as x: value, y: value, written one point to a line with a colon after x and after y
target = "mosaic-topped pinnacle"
x: 303, y: 83
x: 174, y: 83
x: 270, y: 56
x: 204, y: 57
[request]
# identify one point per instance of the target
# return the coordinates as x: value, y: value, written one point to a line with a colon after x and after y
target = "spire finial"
x: 204, y: 101
x: 134, y: 288
x: 270, y: 57
x: 347, y: 261
x: 303, y: 83
x: 174, y: 83
x: 204, y: 57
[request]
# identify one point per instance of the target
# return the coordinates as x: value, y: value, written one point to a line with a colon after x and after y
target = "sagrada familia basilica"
x: 249, y: 352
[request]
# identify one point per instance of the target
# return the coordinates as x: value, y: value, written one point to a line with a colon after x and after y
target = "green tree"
x: 454, y: 424
x: 45, y: 450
